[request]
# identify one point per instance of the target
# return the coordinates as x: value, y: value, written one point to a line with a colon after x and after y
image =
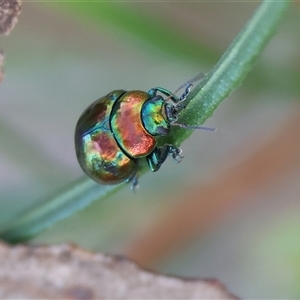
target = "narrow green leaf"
x: 75, y: 197
x: 232, y: 68
x: 226, y: 75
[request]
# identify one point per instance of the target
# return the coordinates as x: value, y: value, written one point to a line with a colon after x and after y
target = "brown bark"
x: 68, y: 272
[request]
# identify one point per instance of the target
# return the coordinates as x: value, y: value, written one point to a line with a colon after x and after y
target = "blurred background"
x: 230, y: 210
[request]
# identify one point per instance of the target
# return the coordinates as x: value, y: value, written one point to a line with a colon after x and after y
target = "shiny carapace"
x: 118, y: 130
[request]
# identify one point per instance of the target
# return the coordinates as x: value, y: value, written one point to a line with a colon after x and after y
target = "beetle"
x: 118, y: 130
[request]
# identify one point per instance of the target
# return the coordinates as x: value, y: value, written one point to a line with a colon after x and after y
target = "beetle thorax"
x: 154, y: 116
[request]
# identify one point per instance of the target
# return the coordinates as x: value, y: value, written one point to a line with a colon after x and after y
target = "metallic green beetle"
x: 119, y: 129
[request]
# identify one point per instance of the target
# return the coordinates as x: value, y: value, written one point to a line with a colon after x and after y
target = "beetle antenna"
x: 189, y: 82
x: 194, y: 127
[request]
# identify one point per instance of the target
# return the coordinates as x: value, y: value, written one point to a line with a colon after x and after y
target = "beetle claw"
x: 178, y: 158
x: 175, y: 153
x: 134, y: 182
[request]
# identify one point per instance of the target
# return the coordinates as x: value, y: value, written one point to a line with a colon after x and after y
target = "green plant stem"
x: 232, y: 68
x: 75, y: 197
x: 217, y: 84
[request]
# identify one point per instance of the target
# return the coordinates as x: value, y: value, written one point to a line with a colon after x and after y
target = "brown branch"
x: 68, y: 272
x: 9, y: 11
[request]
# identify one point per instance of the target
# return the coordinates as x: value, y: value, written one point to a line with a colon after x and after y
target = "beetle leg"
x: 175, y: 152
x: 152, y: 92
x: 185, y: 93
x: 160, y: 154
x: 157, y: 157
x: 134, y: 181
